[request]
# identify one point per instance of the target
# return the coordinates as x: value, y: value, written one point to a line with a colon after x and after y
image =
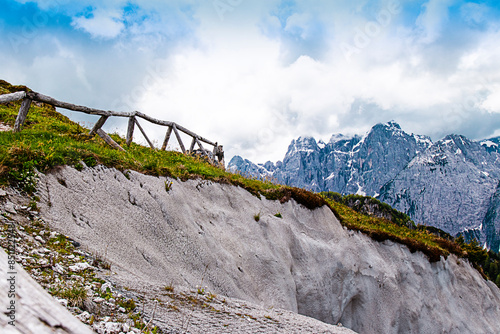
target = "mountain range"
x: 452, y: 184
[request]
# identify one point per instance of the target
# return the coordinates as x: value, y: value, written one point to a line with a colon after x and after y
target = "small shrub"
x: 200, y: 290
x: 257, y: 217
x: 168, y: 185
x: 169, y: 288
x: 278, y: 215
x: 75, y: 296
x: 128, y: 305
x: 33, y: 206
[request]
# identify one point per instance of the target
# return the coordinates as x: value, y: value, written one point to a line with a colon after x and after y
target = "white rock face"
x: 200, y: 233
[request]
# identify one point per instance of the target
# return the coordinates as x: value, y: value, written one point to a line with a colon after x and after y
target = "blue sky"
x: 253, y: 75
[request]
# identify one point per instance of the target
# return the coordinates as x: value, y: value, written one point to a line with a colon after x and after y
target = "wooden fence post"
x: 144, y: 134
x: 201, y: 148
x: 98, y: 125
x: 193, y: 142
x: 179, y: 140
x: 130, y: 130
x: 167, y: 138
x: 29, y: 97
x: 220, y: 154
x: 109, y: 140
x: 23, y: 113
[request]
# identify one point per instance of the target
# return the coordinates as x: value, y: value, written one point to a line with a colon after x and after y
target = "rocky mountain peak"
x: 449, y: 184
x: 492, y: 144
x: 339, y: 137
x: 304, y: 144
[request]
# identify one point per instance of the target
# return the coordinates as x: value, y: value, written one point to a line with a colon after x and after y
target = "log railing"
x: 216, y: 155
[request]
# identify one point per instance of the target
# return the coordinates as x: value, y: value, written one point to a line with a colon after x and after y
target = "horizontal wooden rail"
x: 12, y: 97
x: 30, y: 96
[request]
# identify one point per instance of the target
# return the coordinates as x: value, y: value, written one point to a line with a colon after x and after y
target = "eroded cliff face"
x: 202, y: 233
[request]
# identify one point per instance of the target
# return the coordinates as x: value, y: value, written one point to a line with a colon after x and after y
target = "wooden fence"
x: 215, y: 156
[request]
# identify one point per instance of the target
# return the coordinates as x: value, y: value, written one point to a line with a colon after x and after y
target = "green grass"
x: 382, y: 229
x: 49, y: 139
x: 75, y: 295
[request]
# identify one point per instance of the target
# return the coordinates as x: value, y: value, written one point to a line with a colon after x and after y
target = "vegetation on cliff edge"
x: 49, y: 139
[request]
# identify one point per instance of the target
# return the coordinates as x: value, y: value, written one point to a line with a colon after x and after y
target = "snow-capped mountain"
x: 449, y: 186
x: 452, y: 184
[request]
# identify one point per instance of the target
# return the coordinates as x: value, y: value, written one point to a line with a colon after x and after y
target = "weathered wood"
x: 179, y: 128
x: 167, y: 138
x: 34, y: 96
x: 151, y: 119
x: 214, y: 152
x: 130, y: 130
x: 23, y: 112
x: 220, y: 154
x: 109, y: 140
x: 47, y: 99
x: 201, y: 147
x: 179, y: 140
x: 6, y: 98
x: 98, y: 125
x: 192, y: 134
x: 193, y: 142
x: 144, y: 134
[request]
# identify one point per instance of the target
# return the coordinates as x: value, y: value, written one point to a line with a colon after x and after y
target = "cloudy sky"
x: 253, y: 75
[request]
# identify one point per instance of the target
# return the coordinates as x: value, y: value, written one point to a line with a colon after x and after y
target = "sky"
x: 253, y: 75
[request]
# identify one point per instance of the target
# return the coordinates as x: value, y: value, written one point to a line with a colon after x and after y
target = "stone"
x: 59, y: 269
x: 113, y: 327
x: 105, y: 287
x: 78, y: 267
x: 10, y: 208
x: 36, y: 310
x: 3, y: 193
x: 84, y: 316
x: 63, y: 302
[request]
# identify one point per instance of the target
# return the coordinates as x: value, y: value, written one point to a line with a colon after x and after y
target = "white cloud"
x: 474, y: 13
x: 492, y: 102
x: 102, y: 24
x: 432, y: 20
x: 227, y: 79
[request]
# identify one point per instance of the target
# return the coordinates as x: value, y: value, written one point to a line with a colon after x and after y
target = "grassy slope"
x: 50, y: 139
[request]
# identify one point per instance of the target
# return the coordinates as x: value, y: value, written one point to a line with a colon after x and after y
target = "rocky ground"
x: 81, y: 281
